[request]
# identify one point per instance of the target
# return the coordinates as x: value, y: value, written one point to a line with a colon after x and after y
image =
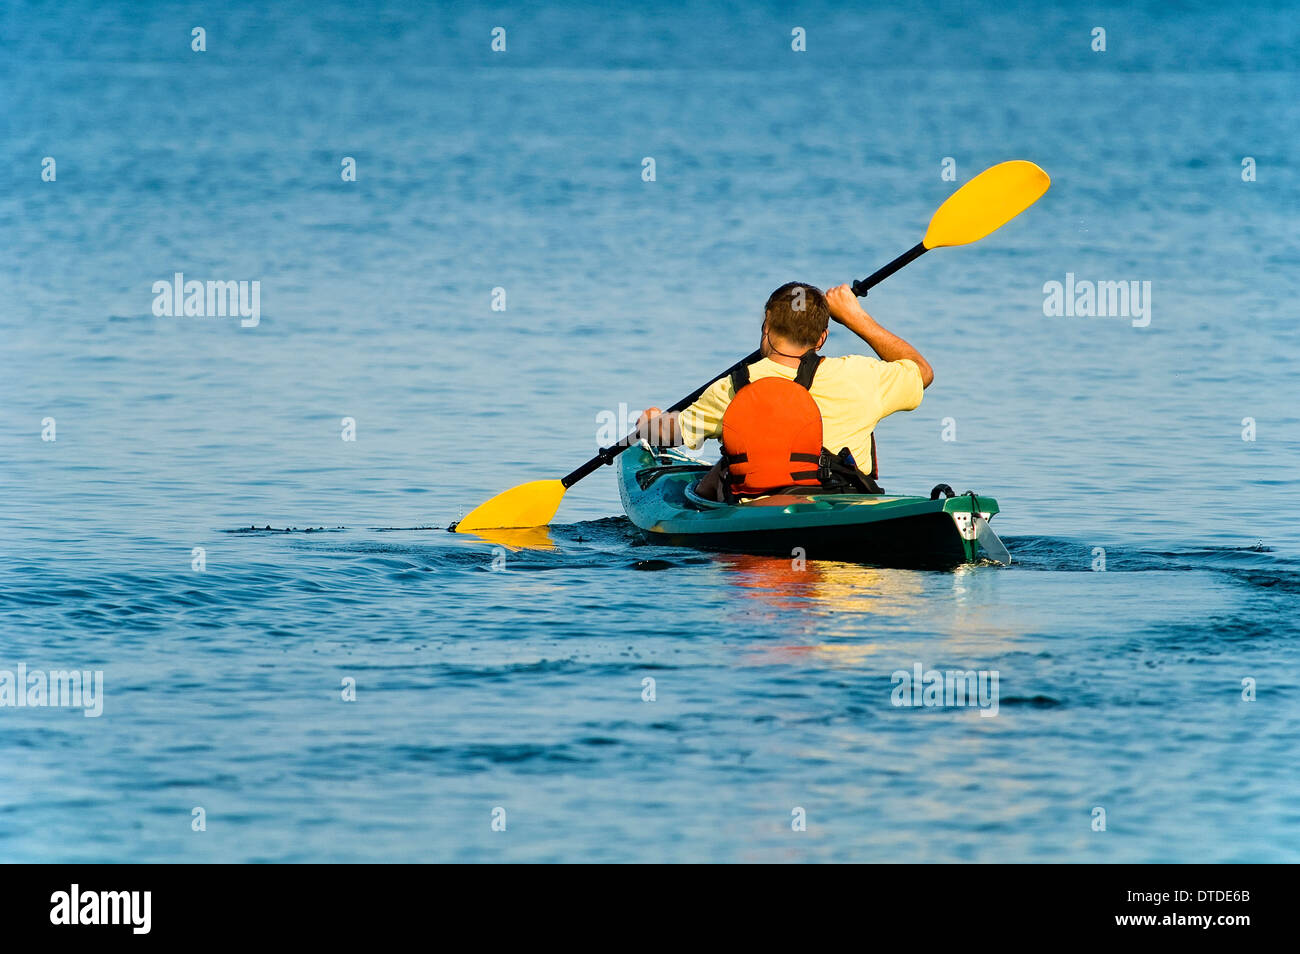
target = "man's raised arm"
x: 846, y: 310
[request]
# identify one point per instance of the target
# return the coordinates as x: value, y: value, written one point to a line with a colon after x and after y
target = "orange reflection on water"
x: 837, y: 608
x: 830, y: 599
x: 824, y: 585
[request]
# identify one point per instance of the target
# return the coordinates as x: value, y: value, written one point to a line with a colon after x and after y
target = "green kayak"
x: 656, y: 485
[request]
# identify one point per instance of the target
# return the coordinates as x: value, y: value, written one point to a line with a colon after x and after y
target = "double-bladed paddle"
x: 983, y: 205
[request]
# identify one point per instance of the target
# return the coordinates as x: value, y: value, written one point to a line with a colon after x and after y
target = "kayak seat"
x: 836, y: 473
x: 784, y: 496
x: 789, y: 500
x: 781, y: 497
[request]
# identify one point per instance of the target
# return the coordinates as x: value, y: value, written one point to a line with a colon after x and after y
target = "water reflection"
x: 840, y: 614
x: 518, y: 538
x: 823, y: 585
x: 830, y: 600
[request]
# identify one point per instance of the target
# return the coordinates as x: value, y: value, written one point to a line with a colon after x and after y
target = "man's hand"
x: 843, y: 304
x: 890, y: 347
x: 657, y: 428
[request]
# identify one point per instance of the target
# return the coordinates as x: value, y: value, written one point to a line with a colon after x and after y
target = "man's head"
x: 797, y: 315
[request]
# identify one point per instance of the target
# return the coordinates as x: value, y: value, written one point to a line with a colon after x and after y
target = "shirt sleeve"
x: 900, y: 386
x: 703, y: 419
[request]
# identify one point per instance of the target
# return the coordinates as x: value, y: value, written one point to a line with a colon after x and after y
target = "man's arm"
x: 846, y: 310
x: 659, y: 429
x: 693, y: 426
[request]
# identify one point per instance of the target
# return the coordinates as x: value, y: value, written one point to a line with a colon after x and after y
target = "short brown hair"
x: 797, y: 312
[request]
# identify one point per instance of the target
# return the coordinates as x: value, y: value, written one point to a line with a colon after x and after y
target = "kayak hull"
x: 881, y: 529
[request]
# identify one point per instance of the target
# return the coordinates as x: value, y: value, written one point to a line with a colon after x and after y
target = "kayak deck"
x: 884, y: 529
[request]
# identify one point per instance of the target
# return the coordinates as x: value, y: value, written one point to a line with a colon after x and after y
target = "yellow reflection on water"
x: 830, y: 599
x: 520, y: 538
x: 837, y: 606
x: 823, y: 585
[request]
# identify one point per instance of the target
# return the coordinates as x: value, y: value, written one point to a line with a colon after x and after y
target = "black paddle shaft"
x: 911, y: 255
x: 606, y: 455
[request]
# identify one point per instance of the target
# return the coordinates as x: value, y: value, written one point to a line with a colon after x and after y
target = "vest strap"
x: 809, y: 362
x: 808, y: 365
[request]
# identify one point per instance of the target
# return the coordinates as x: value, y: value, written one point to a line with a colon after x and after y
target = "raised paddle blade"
x: 529, y: 505
x: 986, y: 203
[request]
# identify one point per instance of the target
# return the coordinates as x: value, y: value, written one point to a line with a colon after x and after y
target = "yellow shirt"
x: 853, y: 393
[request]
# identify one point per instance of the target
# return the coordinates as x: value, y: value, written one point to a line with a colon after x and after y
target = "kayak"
x: 657, y: 488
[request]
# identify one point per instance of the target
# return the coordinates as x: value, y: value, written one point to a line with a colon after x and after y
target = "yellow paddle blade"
x: 986, y: 203
x: 529, y: 505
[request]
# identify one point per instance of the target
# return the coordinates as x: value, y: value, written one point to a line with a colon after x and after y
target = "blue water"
x: 483, y: 684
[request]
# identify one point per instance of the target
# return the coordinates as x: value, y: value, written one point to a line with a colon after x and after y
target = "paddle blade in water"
x: 986, y: 203
x: 528, y: 505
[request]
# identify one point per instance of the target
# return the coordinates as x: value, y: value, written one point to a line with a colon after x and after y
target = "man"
x: 854, y: 392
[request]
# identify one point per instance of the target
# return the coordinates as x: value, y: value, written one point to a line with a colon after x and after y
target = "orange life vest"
x: 772, y: 432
